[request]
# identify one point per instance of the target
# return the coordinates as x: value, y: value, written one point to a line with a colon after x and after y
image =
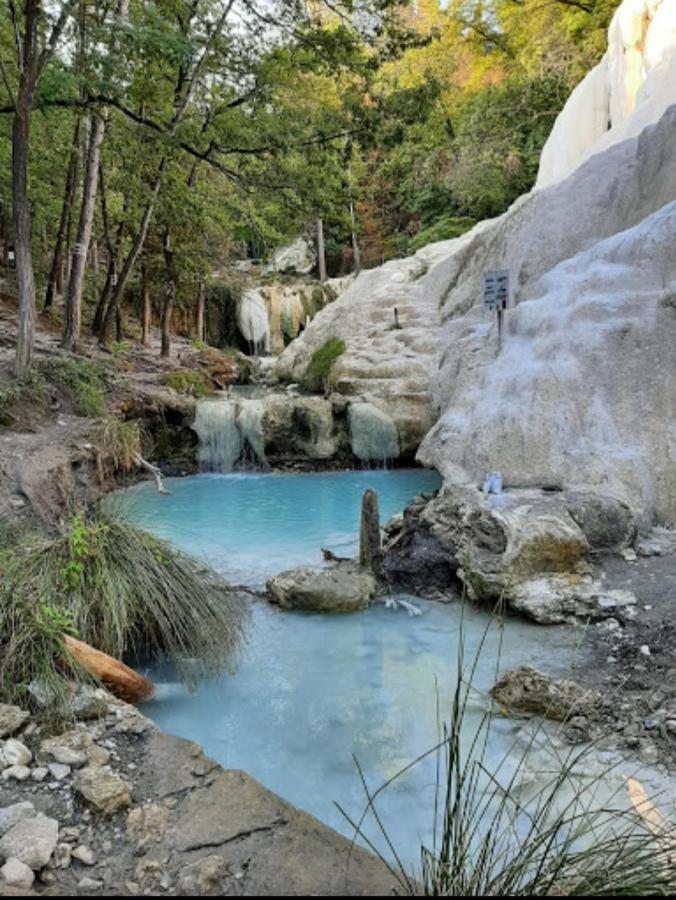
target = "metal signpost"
x: 496, y: 296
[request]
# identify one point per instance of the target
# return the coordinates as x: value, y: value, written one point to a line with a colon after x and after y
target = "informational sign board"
x: 496, y: 290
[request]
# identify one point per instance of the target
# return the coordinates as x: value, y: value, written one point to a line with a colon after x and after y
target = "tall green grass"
x: 566, y: 833
x: 119, y: 589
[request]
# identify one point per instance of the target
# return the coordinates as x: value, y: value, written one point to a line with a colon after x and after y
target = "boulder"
x: 12, y: 718
x: 15, y: 874
x: 10, y: 815
x: 526, y: 690
x: 31, y: 841
x: 501, y: 541
x: 16, y: 773
x: 16, y: 753
x: 607, y: 522
x: 553, y: 600
x: 106, y: 792
x: 415, y: 559
x: 298, y: 256
x: 342, y: 588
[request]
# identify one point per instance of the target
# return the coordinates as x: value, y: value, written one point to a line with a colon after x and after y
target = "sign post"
x: 496, y: 296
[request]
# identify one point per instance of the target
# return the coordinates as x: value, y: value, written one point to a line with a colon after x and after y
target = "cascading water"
x: 373, y: 434
x: 220, y: 443
x: 230, y: 432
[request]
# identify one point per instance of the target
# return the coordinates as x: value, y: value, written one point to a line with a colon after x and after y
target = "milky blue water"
x: 314, y: 691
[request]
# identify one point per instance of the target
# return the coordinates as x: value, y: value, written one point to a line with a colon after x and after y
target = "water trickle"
x: 220, y: 442
x: 230, y: 435
x: 373, y: 434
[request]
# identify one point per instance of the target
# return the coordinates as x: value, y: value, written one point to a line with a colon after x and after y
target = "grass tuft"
x: 119, y: 589
x: 83, y: 379
x: 187, y: 381
x: 318, y: 372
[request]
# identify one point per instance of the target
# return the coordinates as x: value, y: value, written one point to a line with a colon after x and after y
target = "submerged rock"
x: 343, y: 588
x: 526, y: 690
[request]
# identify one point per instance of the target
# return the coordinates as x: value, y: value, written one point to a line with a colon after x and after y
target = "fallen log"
x: 120, y: 680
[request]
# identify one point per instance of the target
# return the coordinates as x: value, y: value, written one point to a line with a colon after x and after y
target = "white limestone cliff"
x: 631, y: 88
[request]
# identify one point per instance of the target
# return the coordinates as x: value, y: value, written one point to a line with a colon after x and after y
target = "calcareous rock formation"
x: 631, y: 87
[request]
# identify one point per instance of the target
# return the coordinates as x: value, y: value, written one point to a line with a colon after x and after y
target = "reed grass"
x: 121, y: 590
x: 568, y: 837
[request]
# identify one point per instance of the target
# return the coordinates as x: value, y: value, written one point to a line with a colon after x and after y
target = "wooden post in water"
x: 370, y: 545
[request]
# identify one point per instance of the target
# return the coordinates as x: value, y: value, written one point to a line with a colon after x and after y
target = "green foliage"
x: 443, y: 229
x: 187, y: 381
x: 118, y: 589
x: 82, y: 379
x: 30, y: 392
x: 318, y: 372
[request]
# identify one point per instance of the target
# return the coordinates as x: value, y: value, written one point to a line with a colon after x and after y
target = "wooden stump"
x: 370, y: 543
x: 120, y: 680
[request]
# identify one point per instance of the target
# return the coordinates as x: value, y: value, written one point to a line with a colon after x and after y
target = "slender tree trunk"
x: 55, y: 281
x: 132, y: 256
x: 73, y: 312
x: 147, y: 306
x: 199, y: 325
x: 356, y: 253
x: 170, y: 294
x: 321, y: 252
x: 22, y: 236
x: 167, y: 312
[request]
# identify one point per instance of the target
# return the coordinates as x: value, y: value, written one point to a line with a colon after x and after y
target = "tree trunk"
x: 132, y: 256
x: 356, y: 253
x: 55, y: 281
x: 73, y: 311
x: 321, y: 252
x: 170, y: 295
x: 199, y: 325
x: 22, y: 235
x: 147, y: 306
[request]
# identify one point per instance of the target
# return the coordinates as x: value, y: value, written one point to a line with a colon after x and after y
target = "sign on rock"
x: 496, y: 290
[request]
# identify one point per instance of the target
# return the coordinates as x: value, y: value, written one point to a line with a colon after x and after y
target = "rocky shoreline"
x: 114, y: 807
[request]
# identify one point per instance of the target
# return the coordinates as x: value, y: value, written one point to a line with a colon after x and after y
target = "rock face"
x: 525, y: 690
x: 631, y: 87
x: 298, y: 257
x: 388, y: 362
x: 343, y: 588
x: 530, y: 548
x: 581, y: 393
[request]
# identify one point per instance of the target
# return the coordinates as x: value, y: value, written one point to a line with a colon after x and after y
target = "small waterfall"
x: 230, y: 435
x: 220, y: 443
x: 373, y: 434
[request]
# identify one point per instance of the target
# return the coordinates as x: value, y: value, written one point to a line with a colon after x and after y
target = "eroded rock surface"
x: 192, y: 828
x: 344, y: 587
x: 526, y: 690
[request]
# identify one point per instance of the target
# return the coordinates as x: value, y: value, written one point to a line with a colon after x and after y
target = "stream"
x: 314, y: 692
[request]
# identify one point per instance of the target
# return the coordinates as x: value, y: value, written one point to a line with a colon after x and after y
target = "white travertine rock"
x: 583, y: 391
x: 252, y: 320
x: 632, y: 86
x: 388, y: 366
